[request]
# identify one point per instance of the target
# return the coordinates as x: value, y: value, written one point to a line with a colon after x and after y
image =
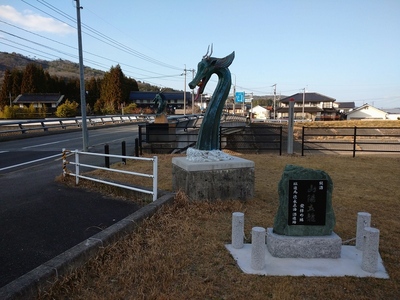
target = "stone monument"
x: 305, y: 219
x: 208, y: 173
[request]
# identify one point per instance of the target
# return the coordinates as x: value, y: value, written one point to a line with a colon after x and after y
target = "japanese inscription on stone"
x: 307, y: 202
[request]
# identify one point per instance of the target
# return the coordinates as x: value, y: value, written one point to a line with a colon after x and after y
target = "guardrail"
x: 351, y: 139
x: 78, y: 175
x: 24, y: 126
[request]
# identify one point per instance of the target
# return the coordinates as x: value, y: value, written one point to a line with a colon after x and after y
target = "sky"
x: 345, y: 49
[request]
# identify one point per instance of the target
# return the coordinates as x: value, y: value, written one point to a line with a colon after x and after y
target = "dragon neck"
x: 224, y: 85
x: 209, y: 131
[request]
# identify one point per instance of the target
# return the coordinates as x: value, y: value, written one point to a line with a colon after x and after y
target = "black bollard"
x: 123, y: 152
x: 106, y: 158
x: 137, y: 147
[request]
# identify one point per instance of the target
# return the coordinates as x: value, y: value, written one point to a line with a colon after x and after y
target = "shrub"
x: 67, y: 109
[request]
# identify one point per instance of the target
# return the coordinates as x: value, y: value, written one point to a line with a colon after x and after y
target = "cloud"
x: 31, y: 21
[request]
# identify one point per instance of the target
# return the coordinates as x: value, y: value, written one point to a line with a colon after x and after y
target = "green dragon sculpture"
x: 161, y: 103
x: 209, y: 130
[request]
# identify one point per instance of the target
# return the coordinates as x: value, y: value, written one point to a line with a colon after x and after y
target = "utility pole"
x: 251, y: 108
x: 192, y: 90
x: 304, y: 98
x: 82, y: 78
x: 234, y: 97
x: 274, y: 85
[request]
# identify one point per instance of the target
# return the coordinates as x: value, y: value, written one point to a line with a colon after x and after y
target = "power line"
x: 94, y: 34
x: 86, y: 52
x: 103, y: 38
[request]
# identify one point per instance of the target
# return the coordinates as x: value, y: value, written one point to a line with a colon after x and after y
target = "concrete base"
x: 349, y: 264
x: 284, y: 246
x: 225, y: 180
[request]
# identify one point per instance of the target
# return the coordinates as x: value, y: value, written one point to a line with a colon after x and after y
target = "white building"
x: 259, y: 112
x: 393, y: 114
x: 367, y: 112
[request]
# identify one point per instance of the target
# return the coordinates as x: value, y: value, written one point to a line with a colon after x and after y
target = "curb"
x: 26, y: 286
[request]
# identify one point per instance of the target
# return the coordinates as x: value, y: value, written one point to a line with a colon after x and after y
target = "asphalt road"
x: 40, y: 218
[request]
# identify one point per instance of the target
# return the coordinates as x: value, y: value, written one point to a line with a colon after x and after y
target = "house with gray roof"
x: 49, y: 100
x: 309, y: 106
x: 175, y: 100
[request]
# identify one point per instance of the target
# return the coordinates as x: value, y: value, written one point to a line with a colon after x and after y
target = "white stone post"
x: 258, y: 248
x: 363, y: 220
x: 237, y: 230
x: 370, y: 250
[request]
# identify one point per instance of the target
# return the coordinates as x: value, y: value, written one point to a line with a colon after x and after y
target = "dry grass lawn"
x: 179, y: 252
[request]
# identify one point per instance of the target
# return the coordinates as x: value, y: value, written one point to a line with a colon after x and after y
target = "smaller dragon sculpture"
x: 161, y: 103
x: 208, y: 138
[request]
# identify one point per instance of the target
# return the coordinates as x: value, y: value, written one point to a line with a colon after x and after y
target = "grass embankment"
x: 179, y: 252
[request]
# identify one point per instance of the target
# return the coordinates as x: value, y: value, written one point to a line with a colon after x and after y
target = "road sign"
x: 240, y: 97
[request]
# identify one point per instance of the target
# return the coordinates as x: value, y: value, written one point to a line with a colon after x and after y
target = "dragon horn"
x: 211, y: 49
x: 208, y: 48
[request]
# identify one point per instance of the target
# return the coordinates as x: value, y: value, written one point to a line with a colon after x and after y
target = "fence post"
x: 123, y: 152
x: 64, y: 161
x: 302, y: 142
x: 237, y: 230
x: 290, y: 127
x: 363, y: 220
x: 258, y: 248
x: 370, y: 254
x: 140, y: 140
x: 76, y: 167
x: 21, y: 127
x: 280, y: 140
x: 220, y: 137
x: 354, y: 141
x: 106, y: 158
x: 155, y: 177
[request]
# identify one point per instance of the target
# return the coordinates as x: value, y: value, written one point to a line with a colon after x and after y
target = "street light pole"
x: 85, y: 136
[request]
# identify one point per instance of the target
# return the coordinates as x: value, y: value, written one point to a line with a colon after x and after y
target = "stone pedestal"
x: 283, y: 246
x: 226, y: 180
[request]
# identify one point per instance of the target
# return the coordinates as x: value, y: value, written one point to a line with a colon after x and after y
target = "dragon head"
x: 208, y: 66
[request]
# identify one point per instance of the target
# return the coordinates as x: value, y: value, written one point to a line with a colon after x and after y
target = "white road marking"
x: 30, y: 162
x: 52, y: 143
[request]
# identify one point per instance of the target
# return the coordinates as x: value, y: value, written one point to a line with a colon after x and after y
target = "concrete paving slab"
x: 349, y: 264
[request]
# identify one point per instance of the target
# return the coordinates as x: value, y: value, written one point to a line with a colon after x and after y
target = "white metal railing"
x: 24, y: 126
x: 77, y: 174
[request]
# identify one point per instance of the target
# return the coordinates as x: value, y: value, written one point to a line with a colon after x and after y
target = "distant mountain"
x: 61, y: 68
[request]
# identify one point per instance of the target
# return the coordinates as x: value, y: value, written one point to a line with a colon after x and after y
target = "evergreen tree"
x: 33, y: 80
x: 5, y: 89
x: 93, y: 91
x: 111, y: 94
x: 16, y: 82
